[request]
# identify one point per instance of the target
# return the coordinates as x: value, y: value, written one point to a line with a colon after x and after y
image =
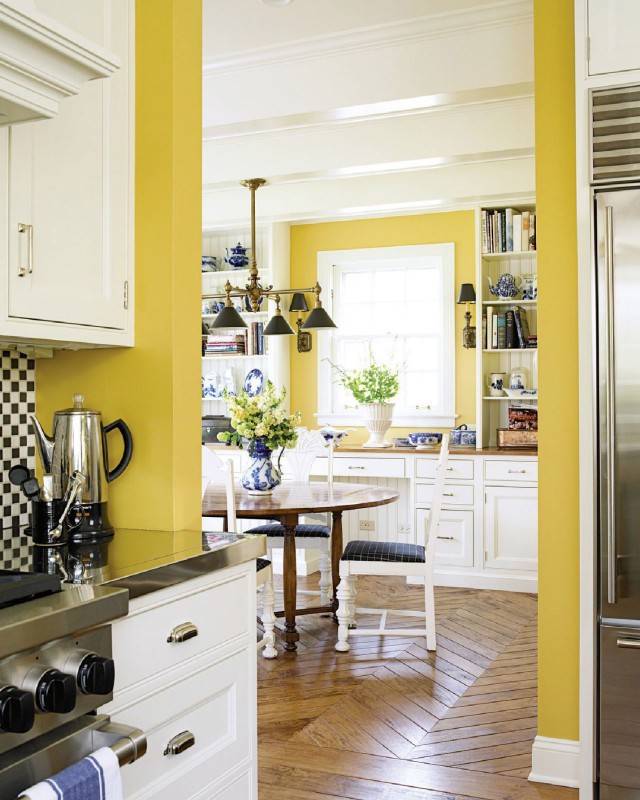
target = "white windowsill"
x: 402, y: 421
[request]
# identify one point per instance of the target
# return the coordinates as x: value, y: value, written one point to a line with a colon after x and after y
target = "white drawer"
x: 359, y: 467
x: 455, y: 537
x: 213, y: 704
x: 140, y: 642
x: 502, y: 469
x: 456, y: 468
x: 455, y: 494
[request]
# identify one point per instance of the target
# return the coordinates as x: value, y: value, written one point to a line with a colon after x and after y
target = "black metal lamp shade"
x: 467, y: 293
x: 228, y: 317
x: 317, y: 320
x: 278, y: 326
x: 298, y: 302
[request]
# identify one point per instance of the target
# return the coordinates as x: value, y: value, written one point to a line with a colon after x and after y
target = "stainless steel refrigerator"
x: 618, y: 357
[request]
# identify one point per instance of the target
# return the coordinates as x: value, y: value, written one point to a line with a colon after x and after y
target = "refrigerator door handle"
x: 609, y: 368
x: 633, y: 644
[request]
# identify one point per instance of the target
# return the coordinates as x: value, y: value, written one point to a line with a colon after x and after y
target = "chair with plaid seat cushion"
x: 297, y: 465
x: 392, y: 558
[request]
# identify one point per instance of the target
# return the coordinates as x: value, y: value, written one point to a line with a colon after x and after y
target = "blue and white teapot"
x: 238, y: 258
x: 507, y: 286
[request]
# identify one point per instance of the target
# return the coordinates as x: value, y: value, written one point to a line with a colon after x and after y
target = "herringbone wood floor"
x: 389, y: 720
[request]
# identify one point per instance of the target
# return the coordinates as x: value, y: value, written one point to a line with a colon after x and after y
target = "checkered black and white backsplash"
x: 17, y: 402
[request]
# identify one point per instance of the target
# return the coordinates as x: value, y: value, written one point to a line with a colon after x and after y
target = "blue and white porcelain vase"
x: 261, y: 477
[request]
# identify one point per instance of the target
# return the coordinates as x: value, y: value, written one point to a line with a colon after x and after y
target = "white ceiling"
x: 366, y: 107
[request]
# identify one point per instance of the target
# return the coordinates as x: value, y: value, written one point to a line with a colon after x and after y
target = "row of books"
x: 508, y: 230
x: 250, y: 342
x: 506, y: 330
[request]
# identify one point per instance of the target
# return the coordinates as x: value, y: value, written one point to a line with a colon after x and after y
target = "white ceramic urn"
x: 377, y: 420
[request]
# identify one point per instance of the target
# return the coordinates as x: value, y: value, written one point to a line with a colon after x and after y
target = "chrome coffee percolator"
x: 78, y: 443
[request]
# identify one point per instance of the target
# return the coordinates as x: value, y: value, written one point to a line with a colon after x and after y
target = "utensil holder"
x: 44, y: 518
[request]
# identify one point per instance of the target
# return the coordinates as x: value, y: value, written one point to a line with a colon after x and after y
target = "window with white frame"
x: 396, y: 305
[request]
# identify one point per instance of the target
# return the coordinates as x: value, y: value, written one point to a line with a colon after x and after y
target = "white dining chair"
x: 297, y: 465
x: 392, y: 558
x: 220, y: 472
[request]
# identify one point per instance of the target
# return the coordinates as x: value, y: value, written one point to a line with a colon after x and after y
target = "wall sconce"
x: 467, y: 295
x: 299, y: 304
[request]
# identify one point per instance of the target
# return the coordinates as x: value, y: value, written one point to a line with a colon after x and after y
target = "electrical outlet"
x: 367, y: 525
x: 404, y: 529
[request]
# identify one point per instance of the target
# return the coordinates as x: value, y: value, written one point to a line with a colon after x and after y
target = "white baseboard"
x: 555, y: 761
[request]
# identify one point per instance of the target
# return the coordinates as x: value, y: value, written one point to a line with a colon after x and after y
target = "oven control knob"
x: 56, y: 692
x: 17, y: 710
x: 96, y: 674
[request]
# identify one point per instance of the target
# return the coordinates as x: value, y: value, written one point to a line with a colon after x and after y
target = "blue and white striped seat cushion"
x: 262, y: 563
x: 302, y: 531
x: 359, y: 550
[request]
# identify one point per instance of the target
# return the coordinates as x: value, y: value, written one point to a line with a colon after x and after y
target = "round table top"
x: 297, y: 498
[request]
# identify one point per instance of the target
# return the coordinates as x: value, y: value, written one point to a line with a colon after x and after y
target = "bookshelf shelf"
x: 232, y: 356
x: 509, y: 254
x: 510, y: 302
x: 511, y: 350
x: 514, y: 399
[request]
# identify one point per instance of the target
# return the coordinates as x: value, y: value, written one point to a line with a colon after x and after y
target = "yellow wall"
x: 154, y: 386
x: 558, y: 370
x: 306, y: 240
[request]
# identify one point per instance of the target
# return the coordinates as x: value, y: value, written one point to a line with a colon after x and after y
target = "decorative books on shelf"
x: 506, y: 330
x: 507, y: 230
x: 249, y: 342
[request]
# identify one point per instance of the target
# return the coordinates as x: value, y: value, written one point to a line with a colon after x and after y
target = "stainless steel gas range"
x: 56, y: 670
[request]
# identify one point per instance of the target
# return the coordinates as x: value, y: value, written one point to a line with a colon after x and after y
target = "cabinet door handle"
x: 28, y: 229
x: 181, y: 742
x: 183, y: 632
x: 446, y: 538
x: 516, y: 471
x: 350, y: 467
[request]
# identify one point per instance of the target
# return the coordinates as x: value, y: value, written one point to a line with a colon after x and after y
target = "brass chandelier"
x: 253, y: 293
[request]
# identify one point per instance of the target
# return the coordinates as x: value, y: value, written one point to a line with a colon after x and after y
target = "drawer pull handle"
x: 449, y: 469
x: 446, y: 538
x: 516, y: 471
x: 350, y: 467
x: 448, y: 494
x: 181, y: 742
x: 632, y: 643
x: 183, y: 632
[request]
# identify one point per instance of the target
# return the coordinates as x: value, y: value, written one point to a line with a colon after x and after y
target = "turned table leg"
x: 289, y: 578
x: 336, y: 555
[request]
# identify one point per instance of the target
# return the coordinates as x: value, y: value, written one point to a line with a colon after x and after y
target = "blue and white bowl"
x: 462, y: 437
x: 334, y: 434
x: 209, y: 264
x: 423, y: 439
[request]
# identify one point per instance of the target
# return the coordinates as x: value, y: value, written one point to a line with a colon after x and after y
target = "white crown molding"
x: 442, y: 103
x: 555, y: 761
x: 42, y: 62
x: 364, y: 170
x: 499, y: 14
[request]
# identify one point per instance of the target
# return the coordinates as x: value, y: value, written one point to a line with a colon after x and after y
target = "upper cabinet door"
x: 70, y: 190
x: 614, y: 33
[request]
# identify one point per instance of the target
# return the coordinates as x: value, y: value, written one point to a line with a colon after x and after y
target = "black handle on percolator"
x: 128, y: 448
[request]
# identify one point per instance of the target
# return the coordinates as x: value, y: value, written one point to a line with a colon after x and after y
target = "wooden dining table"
x: 286, y: 505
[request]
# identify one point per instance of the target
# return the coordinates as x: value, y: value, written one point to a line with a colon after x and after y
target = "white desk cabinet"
x: 67, y: 200
x: 205, y: 687
x: 614, y: 32
x: 511, y: 527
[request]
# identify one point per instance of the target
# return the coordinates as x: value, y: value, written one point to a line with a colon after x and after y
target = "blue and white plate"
x: 254, y: 382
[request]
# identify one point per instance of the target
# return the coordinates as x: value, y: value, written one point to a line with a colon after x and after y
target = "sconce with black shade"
x: 299, y: 304
x: 467, y: 295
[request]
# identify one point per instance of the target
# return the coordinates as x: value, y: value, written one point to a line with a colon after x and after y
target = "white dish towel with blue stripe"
x: 96, y: 777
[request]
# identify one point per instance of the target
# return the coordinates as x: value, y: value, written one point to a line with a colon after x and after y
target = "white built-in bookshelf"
x: 492, y: 412
x: 272, y: 246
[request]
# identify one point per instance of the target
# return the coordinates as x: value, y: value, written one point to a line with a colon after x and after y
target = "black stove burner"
x: 16, y: 587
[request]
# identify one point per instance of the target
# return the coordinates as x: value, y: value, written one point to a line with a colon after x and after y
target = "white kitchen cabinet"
x: 614, y: 33
x: 68, y: 200
x: 204, y: 687
x: 511, y: 527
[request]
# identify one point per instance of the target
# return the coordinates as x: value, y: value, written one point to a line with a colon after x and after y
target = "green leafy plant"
x: 372, y: 384
x: 261, y: 417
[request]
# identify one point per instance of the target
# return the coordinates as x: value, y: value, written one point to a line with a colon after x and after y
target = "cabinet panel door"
x: 69, y: 178
x: 511, y: 527
x: 614, y: 32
